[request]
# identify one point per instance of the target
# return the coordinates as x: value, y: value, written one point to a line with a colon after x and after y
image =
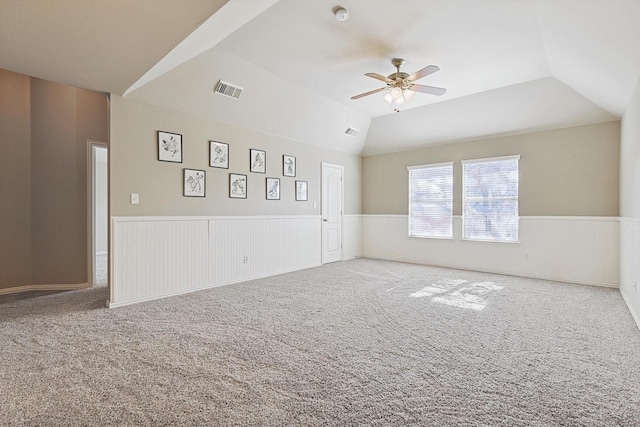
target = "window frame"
x: 410, y: 199
x: 465, y: 200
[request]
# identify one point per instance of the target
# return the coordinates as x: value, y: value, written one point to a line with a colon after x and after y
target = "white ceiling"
x: 508, y: 66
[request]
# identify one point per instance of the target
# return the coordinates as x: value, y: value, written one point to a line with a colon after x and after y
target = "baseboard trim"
x: 630, y: 307
x: 56, y: 287
x: 507, y: 273
x: 203, y: 288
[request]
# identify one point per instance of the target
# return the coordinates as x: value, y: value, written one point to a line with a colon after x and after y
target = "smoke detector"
x: 342, y: 14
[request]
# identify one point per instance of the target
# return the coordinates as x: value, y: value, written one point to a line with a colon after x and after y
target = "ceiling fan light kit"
x: 401, y: 87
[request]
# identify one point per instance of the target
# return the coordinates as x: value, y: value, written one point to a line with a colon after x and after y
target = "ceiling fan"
x: 401, y: 85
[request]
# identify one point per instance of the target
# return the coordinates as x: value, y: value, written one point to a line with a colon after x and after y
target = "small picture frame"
x: 194, y: 183
x: 169, y: 147
x: 273, y: 188
x: 218, y: 155
x: 257, y: 161
x: 288, y: 165
x: 237, y: 186
x: 301, y: 191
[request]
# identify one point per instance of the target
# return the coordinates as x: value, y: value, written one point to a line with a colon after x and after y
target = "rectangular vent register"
x: 228, y: 89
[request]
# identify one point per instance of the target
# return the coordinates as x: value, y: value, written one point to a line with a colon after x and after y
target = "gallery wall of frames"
x: 170, y: 149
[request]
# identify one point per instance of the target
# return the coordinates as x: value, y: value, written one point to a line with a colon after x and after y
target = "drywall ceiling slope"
x: 94, y: 44
x: 233, y: 15
x: 589, y: 49
x: 594, y: 48
x: 479, y: 45
x: 268, y: 103
x: 533, y: 106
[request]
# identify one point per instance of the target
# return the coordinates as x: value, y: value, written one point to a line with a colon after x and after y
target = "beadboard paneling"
x: 155, y: 257
x: 629, y: 265
x: 572, y: 249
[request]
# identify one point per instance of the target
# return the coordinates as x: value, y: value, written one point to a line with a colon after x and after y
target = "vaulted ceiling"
x: 508, y: 66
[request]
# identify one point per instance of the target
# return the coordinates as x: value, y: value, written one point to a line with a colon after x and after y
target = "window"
x: 431, y: 200
x: 490, y: 199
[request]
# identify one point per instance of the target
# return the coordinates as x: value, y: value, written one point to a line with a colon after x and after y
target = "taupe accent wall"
x: 564, y: 172
x: 135, y: 167
x: 15, y: 179
x: 44, y: 188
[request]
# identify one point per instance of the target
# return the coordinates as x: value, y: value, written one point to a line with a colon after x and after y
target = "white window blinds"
x: 431, y: 200
x: 490, y: 199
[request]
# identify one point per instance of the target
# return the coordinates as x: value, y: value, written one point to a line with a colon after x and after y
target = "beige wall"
x: 564, y: 172
x: 47, y: 129
x: 15, y: 179
x: 135, y: 167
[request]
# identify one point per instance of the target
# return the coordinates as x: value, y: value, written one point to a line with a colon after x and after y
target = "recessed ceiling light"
x: 342, y: 14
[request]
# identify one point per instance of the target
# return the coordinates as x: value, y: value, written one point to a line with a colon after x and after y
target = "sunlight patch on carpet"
x: 459, y: 293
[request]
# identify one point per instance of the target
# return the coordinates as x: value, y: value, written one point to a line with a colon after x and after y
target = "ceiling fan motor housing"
x: 398, y: 77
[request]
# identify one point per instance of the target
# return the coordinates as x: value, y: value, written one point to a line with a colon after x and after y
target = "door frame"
x: 91, y: 202
x: 322, y: 207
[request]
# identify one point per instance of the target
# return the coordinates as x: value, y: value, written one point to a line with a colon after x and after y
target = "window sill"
x: 430, y: 237
x: 491, y: 241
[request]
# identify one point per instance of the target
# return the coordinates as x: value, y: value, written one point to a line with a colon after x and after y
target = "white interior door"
x: 332, y: 201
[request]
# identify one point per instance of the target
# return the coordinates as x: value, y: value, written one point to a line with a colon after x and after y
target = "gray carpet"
x: 362, y: 342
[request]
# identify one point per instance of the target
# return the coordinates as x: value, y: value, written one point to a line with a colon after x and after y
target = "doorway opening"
x: 99, y: 218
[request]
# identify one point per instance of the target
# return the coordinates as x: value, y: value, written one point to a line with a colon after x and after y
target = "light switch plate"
x: 135, y: 199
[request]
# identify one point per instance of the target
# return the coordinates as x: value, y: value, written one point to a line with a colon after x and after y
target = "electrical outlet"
x: 246, y: 259
x: 526, y: 256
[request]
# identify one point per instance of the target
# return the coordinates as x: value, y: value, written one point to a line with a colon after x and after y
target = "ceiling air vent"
x: 351, y: 131
x: 227, y: 89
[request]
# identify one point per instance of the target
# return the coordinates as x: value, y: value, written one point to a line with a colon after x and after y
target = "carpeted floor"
x: 362, y: 342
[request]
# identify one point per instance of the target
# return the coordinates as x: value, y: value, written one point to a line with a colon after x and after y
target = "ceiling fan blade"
x: 379, y: 77
x: 369, y: 93
x: 430, y: 69
x: 432, y: 90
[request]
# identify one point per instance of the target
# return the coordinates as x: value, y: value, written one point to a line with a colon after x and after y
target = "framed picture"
x: 273, y: 188
x: 218, y: 155
x: 237, y: 186
x: 194, y: 183
x: 301, y: 190
x: 169, y: 147
x: 288, y: 165
x: 257, y: 161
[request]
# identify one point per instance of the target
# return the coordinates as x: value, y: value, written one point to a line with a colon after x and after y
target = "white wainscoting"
x: 352, y: 237
x: 630, y: 265
x: 156, y: 257
x: 573, y: 249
